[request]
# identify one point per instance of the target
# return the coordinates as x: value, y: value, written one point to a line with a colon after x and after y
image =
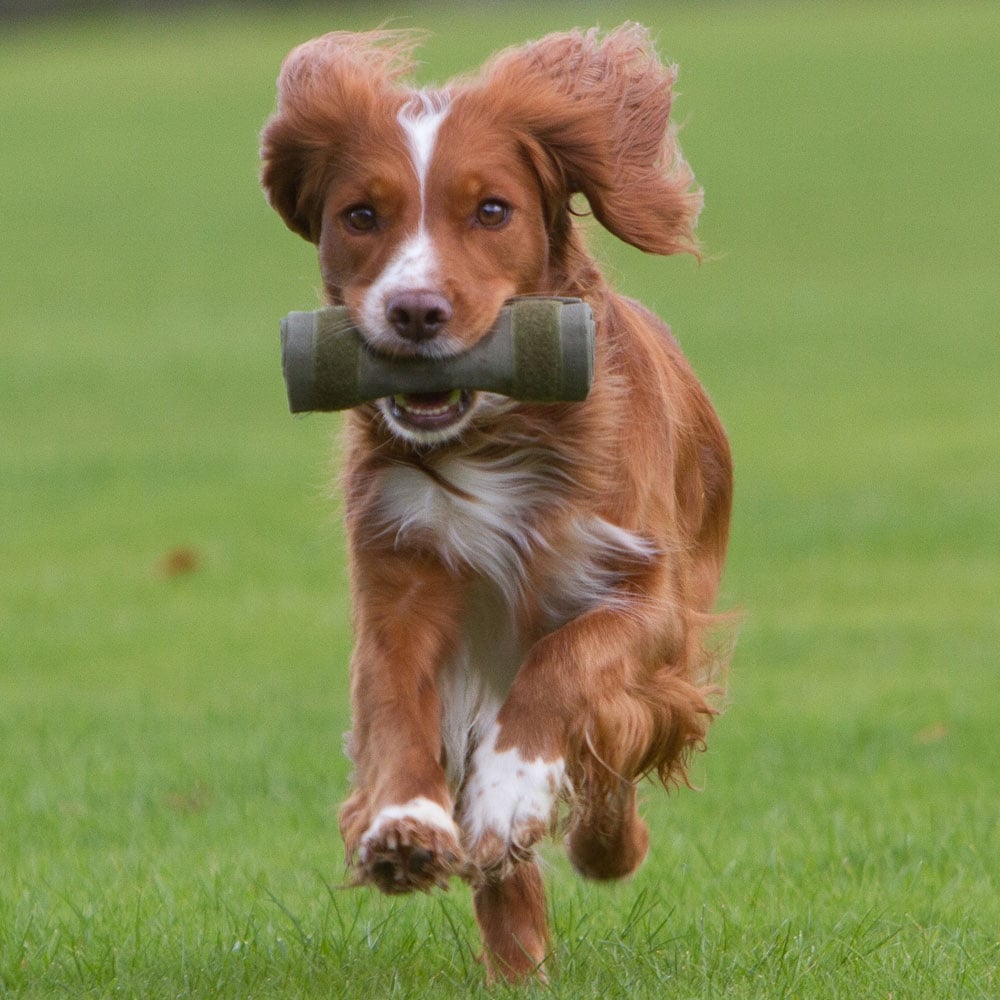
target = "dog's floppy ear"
x: 599, y: 110
x: 331, y: 90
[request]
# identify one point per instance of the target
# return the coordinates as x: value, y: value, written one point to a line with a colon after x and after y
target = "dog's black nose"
x: 418, y: 315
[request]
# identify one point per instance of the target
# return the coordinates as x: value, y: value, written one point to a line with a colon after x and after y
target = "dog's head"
x: 430, y: 208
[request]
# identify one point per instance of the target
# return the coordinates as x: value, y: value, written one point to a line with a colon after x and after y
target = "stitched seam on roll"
x: 537, y: 357
x: 336, y: 364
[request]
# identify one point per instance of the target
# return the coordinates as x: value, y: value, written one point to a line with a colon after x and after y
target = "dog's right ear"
x: 330, y: 91
x: 596, y: 113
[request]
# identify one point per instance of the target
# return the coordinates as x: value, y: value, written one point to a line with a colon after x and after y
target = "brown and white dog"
x: 532, y: 584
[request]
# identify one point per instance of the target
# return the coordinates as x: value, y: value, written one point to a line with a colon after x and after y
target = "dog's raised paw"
x: 509, y: 804
x: 407, y: 848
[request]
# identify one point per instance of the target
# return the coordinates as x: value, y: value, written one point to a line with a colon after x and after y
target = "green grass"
x: 170, y: 758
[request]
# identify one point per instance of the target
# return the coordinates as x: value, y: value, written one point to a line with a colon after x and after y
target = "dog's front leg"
x: 586, y: 675
x: 397, y: 825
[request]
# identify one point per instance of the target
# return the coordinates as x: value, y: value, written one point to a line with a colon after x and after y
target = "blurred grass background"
x: 173, y: 619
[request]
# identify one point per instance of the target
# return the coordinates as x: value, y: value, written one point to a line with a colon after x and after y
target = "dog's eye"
x: 361, y: 218
x: 492, y: 213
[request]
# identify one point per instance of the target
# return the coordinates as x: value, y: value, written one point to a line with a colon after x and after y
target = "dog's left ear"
x: 334, y: 92
x: 597, y: 112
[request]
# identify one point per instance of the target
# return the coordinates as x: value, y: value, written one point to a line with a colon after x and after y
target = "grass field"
x: 173, y: 621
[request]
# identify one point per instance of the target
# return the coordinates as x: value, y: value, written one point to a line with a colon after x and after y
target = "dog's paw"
x: 608, y: 838
x: 508, y: 805
x: 409, y: 847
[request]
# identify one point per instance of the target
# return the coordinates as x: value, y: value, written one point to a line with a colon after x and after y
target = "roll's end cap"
x: 298, y: 350
x: 579, y: 339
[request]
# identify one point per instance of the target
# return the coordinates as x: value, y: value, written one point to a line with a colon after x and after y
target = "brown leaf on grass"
x: 179, y: 561
x: 934, y: 733
x: 192, y: 800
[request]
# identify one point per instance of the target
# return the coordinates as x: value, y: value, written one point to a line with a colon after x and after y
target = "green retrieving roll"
x: 540, y: 350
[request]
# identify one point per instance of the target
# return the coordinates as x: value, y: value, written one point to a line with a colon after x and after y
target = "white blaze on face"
x: 414, y: 265
x: 421, y: 119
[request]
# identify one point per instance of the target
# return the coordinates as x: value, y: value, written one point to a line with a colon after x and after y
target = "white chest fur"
x: 487, y: 522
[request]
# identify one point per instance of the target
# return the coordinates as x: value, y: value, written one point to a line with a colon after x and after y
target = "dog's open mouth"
x: 430, y: 411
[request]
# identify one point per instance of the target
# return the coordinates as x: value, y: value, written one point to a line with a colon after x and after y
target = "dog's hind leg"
x: 513, y: 922
x: 608, y: 839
